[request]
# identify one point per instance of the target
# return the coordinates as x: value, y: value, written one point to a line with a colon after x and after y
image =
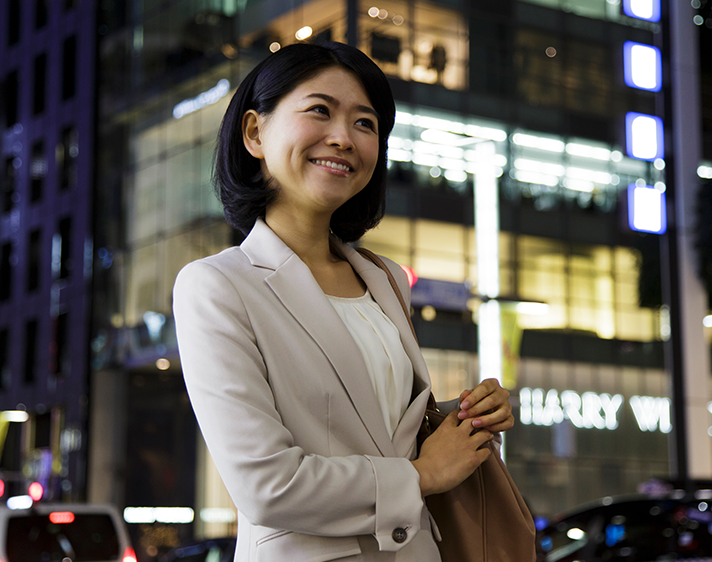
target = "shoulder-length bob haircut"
x: 238, y: 179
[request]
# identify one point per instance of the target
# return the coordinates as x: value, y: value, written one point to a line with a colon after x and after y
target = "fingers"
x: 486, y: 399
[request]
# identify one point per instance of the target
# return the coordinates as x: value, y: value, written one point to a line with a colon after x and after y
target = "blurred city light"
x: 642, y: 65
x: 707, y: 321
x: 61, y: 517
x: 304, y: 33
x: 217, y: 515
x: 542, y: 143
x: 575, y: 534
x: 36, y: 491
x: 19, y: 502
x: 533, y: 308
x: 158, y: 515
x: 646, y: 209
x: 206, y: 98
x: 644, y: 136
x: 705, y: 172
x: 642, y: 9
x: 14, y: 416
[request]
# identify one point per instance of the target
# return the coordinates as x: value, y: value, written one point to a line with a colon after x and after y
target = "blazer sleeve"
x: 273, y: 482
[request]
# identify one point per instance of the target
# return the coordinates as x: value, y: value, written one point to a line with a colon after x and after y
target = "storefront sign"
x: 591, y: 410
x: 443, y: 295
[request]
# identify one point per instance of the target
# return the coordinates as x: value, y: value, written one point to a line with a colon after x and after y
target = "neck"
x: 308, y: 237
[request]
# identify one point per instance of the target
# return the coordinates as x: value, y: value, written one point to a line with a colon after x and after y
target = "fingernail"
x: 462, y: 415
x: 465, y: 405
x: 476, y: 422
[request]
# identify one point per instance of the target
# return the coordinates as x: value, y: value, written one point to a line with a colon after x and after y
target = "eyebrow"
x: 332, y: 100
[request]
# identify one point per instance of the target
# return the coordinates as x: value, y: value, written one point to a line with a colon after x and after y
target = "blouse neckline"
x: 365, y: 296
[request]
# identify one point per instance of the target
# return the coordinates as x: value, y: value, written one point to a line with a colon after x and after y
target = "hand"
x: 487, y: 406
x: 450, y: 455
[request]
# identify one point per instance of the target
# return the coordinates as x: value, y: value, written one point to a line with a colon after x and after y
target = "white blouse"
x: 388, y: 365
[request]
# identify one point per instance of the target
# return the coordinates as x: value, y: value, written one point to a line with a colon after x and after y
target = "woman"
x: 307, y: 383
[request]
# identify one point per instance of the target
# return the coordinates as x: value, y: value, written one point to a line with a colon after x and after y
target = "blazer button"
x: 399, y: 534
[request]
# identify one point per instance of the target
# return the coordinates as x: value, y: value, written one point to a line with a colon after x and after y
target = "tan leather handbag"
x: 484, y: 519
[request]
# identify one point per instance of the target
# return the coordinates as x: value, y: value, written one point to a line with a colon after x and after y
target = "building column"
x: 107, y: 437
x: 687, y: 150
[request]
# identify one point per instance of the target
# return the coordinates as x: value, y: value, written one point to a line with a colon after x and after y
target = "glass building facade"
x: 542, y: 80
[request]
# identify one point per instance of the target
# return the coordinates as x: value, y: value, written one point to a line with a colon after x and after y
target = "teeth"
x: 332, y: 165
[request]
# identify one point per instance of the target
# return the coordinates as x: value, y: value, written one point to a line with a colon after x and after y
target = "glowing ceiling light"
x: 705, y: 172
x: 707, y: 323
x: 274, y: 47
x: 536, y: 178
x: 537, y: 166
x: 304, y: 33
x: 587, y: 151
x: 589, y: 175
x: 533, y: 308
x: 373, y: 12
x: 488, y: 133
x: 579, y: 185
x: 443, y: 137
x: 542, y: 143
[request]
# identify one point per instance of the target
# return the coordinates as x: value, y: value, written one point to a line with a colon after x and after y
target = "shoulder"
x: 223, y: 268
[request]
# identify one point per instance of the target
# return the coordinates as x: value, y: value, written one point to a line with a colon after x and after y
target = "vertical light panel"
x: 646, y: 209
x: 642, y: 65
x: 644, y: 136
x: 642, y: 9
x: 489, y: 336
x: 487, y: 221
x: 489, y: 325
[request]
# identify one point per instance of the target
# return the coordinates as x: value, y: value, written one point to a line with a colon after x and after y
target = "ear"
x: 251, y: 128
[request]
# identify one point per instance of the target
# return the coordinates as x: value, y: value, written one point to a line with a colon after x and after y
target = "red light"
x: 59, y: 517
x: 2, y: 491
x: 412, y: 277
x: 129, y: 555
x: 36, y: 491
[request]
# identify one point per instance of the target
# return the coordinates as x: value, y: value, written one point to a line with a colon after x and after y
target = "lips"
x: 335, y: 164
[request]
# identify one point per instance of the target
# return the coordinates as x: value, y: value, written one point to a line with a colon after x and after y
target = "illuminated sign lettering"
x: 590, y: 410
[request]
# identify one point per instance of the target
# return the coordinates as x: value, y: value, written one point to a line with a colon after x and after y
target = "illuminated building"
x: 542, y: 80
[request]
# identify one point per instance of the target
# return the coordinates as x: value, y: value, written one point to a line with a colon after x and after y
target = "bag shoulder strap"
x: 369, y: 255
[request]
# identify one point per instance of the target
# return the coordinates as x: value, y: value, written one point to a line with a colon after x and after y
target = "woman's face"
x: 320, y: 144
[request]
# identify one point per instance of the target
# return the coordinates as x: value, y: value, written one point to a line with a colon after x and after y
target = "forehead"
x: 341, y: 84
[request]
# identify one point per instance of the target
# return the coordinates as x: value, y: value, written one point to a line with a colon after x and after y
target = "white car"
x: 55, y: 532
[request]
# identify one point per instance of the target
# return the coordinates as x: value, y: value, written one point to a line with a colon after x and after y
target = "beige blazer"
x: 289, y: 414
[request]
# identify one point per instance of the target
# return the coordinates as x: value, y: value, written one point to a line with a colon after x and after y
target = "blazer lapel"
x: 296, y: 288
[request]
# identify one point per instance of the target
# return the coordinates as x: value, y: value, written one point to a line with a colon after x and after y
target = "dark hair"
x: 238, y: 178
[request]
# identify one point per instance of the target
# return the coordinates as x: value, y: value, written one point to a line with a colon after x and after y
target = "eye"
x: 322, y: 109
x: 367, y: 123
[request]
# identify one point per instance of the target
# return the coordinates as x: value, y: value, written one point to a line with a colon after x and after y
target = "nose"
x: 340, y: 137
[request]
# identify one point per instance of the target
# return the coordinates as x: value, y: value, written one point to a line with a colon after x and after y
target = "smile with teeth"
x: 334, y: 165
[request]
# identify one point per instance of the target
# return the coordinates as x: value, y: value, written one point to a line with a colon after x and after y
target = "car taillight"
x: 129, y: 555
